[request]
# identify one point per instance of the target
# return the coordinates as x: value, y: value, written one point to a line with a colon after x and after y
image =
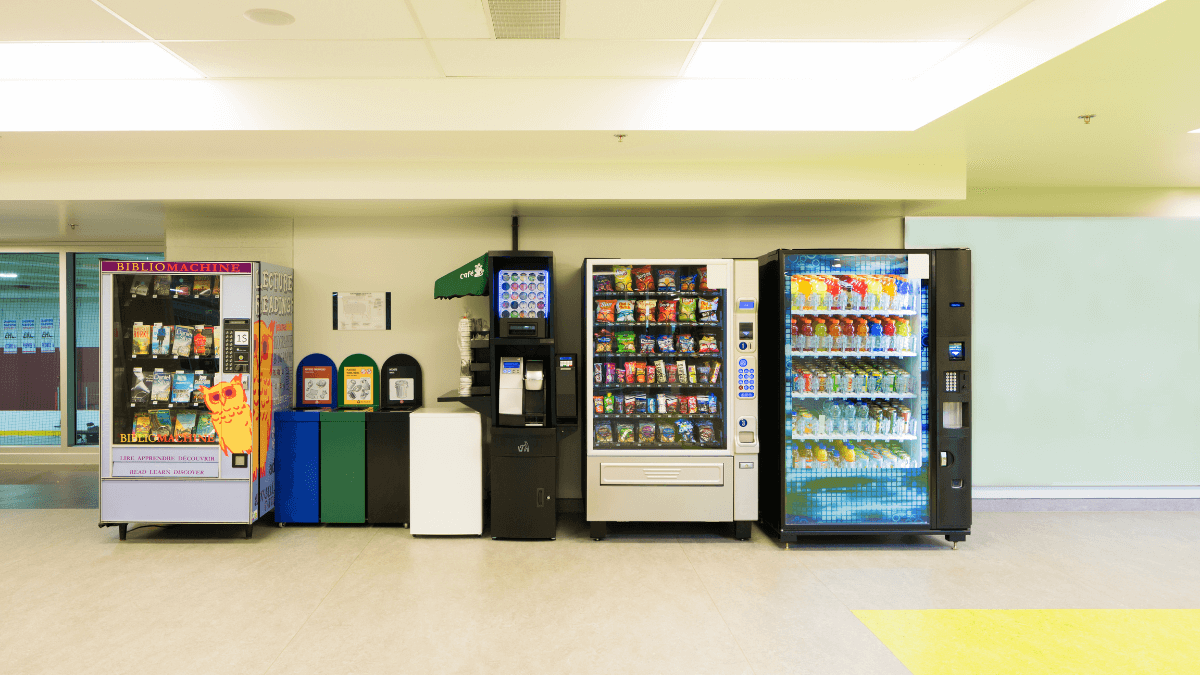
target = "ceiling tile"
x: 309, y: 58
x: 634, y: 19
x: 452, y: 18
x: 223, y: 20
x: 50, y: 20
x: 560, y: 58
x: 858, y: 20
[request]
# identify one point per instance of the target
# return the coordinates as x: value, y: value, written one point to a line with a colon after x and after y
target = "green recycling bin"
x: 343, y: 467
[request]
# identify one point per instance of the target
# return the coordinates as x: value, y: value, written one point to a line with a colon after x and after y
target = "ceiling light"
x: 270, y: 17
x: 811, y: 60
x: 90, y: 61
x: 8, y: 275
x: 1194, y: 131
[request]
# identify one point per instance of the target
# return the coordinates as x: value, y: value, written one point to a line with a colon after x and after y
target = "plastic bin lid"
x: 298, y: 415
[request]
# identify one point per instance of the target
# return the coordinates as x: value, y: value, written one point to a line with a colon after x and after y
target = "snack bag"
x: 687, y: 343
x: 672, y: 371
x: 681, y: 376
x: 604, y: 433
x: 626, y: 340
x: 610, y: 373
x: 651, y: 404
x: 606, y: 311
x: 714, y: 405
x: 640, y: 369
x: 666, y: 310
x: 666, y: 432
x: 598, y: 373
x: 645, y: 310
x: 647, y: 432
x: 624, y: 432
x: 623, y: 277
x: 643, y: 279
x: 603, y: 283
x: 692, y: 376
x: 684, y: 428
x: 715, y: 375
x: 702, y: 404
x: 708, y: 344
x: 693, y: 406
x: 687, y: 283
x: 666, y: 344
x: 705, y: 432
x: 687, y: 309
x: 610, y: 402
x: 604, y: 341
x: 650, y: 374
x: 662, y: 403
x: 672, y: 404
x: 646, y: 344
x: 660, y: 370
x: 702, y: 282
x: 630, y: 372
x: 631, y: 404
x: 624, y: 311
x: 702, y: 373
x: 666, y: 278
x: 709, y: 310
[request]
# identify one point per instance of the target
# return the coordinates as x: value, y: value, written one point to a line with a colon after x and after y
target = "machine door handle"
x: 945, y: 459
x: 541, y: 497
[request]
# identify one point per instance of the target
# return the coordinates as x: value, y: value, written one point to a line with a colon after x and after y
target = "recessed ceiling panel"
x: 224, y: 20
x: 857, y: 20
x: 560, y: 58
x: 309, y: 58
x: 44, y: 20
x: 452, y: 18
x: 635, y: 19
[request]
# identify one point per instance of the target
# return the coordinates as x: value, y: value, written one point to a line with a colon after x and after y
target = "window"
x: 30, y: 395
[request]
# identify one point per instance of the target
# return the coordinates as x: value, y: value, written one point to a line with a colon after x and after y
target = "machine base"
x: 599, y: 529
x: 792, y: 536
x: 741, y: 530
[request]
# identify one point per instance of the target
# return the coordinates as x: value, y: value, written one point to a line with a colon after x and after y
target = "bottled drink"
x: 889, y: 334
x: 821, y: 333
x: 833, y: 418
x: 874, y: 289
x: 859, y: 286
x: 804, y: 292
x: 859, y: 341
x: 834, y: 327
x: 875, y: 333
x: 806, y: 334
x: 861, y: 415
x: 902, y: 335
x: 794, y: 289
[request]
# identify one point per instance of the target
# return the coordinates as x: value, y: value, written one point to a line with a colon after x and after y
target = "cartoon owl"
x: 264, y: 395
x: 230, y: 415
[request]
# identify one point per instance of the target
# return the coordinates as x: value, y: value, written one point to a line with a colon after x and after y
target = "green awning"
x: 470, y: 279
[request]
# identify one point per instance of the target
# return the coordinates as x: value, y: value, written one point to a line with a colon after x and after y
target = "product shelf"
x: 633, y: 295
x: 794, y: 473
x: 855, y: 437
x: 659, y: 446
x: 853, y: 312
x: 851, y: 394
x: 659, y: 355
x: 869, y: 355
x: 654, y: 385
x: 652, y: 324
x: 656, y: 416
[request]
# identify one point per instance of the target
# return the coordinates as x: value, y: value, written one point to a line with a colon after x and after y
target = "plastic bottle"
x: 803, y: 292
x: 888, y: 298
x: 874, y: 288
x: 889, y: 334
x: 858, y: 284
x: 834, y: 327
x: 859, y: 342
x: 845, y: 292
x: 806, y: 334
x: 902, y: 335
x: 861, y: 418
x: 821, y: 455
x: 818, y: 293
x: 831, y: 291
x: 821, y: 334
x: 875, y: 335
x: 807, y: 457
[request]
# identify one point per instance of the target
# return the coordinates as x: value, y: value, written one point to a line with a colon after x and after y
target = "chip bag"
x: 647, y: 432
x: 705, y: 432
x: 687, y: 309
x: 626, y: 341
x: 624, y: 311
x: 709, y: 308
x: 645, y: 310
x: 684, y: 428
x: 666, y: 278
x: 708, y: 344
x: 666, y: 432
x: 702, y: 282
x: 666, y: 310
x: 624, y: 432
x: 606, y: 311
x: 666, y: 344
x: 604, y: 340
x: 687, y: 283
x: 643, y: 279
x: 646, y: 344
x: 623, y: 277
x: 687, y: 344
x: 604, y: 433
x: 603, y: 283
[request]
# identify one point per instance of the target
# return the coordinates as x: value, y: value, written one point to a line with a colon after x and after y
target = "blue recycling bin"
x: 298, y: 466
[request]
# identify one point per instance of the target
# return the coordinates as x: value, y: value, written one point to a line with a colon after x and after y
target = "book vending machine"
x: 195, y: 358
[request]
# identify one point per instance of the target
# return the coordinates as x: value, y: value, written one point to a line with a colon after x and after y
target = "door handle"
x: 945, y: 459
x: 541, y: 497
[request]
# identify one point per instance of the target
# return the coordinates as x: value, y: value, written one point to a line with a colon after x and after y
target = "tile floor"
x: 650, y: 599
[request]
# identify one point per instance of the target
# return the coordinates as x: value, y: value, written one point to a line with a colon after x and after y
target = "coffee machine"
x: 522, y: 399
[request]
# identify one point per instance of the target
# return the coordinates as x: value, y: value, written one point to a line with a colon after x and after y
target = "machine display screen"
x: 956, y: 351
x: 523, y: 294
x: 745, y: 304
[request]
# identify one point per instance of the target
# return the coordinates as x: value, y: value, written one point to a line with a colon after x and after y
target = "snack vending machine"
x: 195, y: 359
x: 866, y: 356
x: 672, y: 432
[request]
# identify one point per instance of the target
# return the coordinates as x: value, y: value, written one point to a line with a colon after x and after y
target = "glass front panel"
x: 87, y: 341
x: 165, y: 353
x: 523, y: 294
x: 854, y: 392
x: 29, y: 365
x: 658, y: 349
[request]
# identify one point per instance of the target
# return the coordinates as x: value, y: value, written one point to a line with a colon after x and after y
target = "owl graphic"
x: 264, y: 395
x: 231, y: 416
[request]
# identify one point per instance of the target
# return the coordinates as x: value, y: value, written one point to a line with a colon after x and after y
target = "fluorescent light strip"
x: 90, y: 61
x: 8, y: 275
x: 816, y: 60
x: 1194, y: 131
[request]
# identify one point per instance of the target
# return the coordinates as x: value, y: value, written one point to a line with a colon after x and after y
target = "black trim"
x: 388, y: 312
x: 335, y: 323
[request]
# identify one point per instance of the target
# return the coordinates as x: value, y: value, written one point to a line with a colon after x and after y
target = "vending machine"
x: 866, y: 358
x: 672, y: 372
x: 195, y: 359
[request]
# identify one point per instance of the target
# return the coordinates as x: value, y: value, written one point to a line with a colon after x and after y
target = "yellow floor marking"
x: 29, y: 432
x: 1042, y: 641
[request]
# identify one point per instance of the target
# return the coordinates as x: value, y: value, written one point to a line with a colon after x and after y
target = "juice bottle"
x: 808, y: 378
x: 794, y: 290
x: 860, y: 335
x: 849, y: 456
x: 834, y: 327
x: 888, y: 299
x: 831, y: 291
x: 818, y: 293
x: 844, y: 292
x: 847, y: 333
x: 793, y: 451
x: 821, y: 333
x: 874, y: 340
x: 803, y: 292
x: 806, y: 334
x: 902, y: 335
x: 889, y: 334
x: 874, y: 288
x: 821, y: 455
x: 904, y: 293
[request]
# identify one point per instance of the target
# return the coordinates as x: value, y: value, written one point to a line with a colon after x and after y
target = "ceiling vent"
x: 525, y: 19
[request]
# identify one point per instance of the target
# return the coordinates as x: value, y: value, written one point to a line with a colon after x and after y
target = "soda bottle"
x: 875, y: 335
x: 889, y: 334
x: 821, y: 333
x: 806, y: 334
x: 834, y: 327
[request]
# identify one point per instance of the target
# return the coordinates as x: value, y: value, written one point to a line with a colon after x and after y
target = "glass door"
x: 854, y: 390
x: 657, y: 358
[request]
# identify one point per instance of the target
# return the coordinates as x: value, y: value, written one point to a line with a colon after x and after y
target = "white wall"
x: 1086, y: 347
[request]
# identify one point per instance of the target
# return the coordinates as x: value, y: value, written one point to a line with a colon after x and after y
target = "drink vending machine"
x: 866, y: 356
x: 195, y: 358
x: 672, y: 371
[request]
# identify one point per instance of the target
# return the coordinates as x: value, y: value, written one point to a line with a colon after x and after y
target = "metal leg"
x: 122, y: 530
x: 278, y: 524
x: 741, y: 530
x: 599, y: 529
x: 954, y: 546
x: 787, y: 545
x: 250, y: 530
